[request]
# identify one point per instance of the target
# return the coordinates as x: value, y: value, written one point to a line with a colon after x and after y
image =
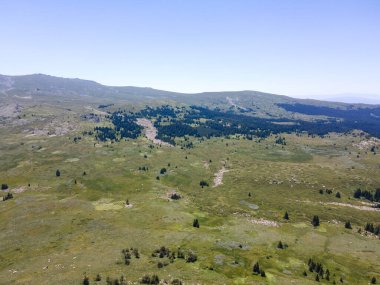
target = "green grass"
x: 82, y: 228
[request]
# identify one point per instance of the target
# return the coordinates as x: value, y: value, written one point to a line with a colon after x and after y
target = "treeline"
x: 203, y: 122
x: 124, y: 126
x: 366, y: 119
x: 368, y: 195
x: 197, y: 121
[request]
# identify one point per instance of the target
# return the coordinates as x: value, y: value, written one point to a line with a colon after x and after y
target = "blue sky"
x: 299, y: 48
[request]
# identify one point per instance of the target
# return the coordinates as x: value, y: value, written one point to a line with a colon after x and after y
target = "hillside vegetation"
x: 233, y: 187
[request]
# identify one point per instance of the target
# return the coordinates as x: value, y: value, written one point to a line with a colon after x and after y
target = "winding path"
x: 150, y: 131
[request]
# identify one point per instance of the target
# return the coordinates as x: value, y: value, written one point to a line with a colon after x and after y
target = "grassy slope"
x: 83, y: 227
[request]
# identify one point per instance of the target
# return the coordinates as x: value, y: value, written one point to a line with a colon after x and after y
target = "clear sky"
x: 288, y: 47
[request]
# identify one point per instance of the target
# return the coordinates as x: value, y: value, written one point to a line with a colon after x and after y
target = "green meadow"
x: 57, y: 230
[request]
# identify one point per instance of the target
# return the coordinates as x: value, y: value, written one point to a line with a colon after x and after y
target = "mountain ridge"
x: 39, y: 82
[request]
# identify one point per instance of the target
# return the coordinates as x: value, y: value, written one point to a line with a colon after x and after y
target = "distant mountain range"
x: 45, y: 89
x: 349, y: 98
x: 41, y: 84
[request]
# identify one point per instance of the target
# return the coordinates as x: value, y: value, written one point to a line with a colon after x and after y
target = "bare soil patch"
x: 218, y: 179
x: 150, y: 131
x: 264, y: 222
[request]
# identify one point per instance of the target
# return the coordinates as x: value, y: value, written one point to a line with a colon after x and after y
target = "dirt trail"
x: 150, y: 131
x: 264, y: 222
x: 363, y: 208
x: 232, y: 103
x: 368, y: 206
x: 218, y: 179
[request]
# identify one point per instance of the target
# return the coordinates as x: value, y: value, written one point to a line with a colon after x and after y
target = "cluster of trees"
x: 175, y: 196
x: 124, y: 126
x: 348, y: 225
x: 370, y: 227
x: 4, y: 186
x: 153, y: 279
x: 280, y: 140
x: 91, y: 117
x: 165, y: 252
x: 146, y: 279
x: 143, y: 168
x: 318, y: 268
x: 103, y: 106
x: 128, y: 253
x: 105, y: 133
x: 354, y: 118
x: 189, y: 122
x: 164, y: 111
x: 8, y: 196
x: 329, y: 192
x: 368, y: 195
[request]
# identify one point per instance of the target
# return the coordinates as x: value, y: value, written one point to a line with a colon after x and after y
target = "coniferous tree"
x: 347, y: 225
x: 373, y: 280
x: 196, y: 223
x: 280, y: 245
x: 57, y: 173
x: 8, y: 196
x: 86, y: 281
x: 315, y: 221
x: 327, y: 275
x: 338, y: 195
x: 286, y: 216
x: 192, y: 257
x: 256, y: 268
x: 176, y: 282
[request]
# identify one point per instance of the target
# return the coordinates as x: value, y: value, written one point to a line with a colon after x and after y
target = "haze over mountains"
x: 38, y: 84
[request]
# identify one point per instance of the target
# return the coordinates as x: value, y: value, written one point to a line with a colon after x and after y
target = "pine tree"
x: 196, y: 223
x: 86, y: 281
x: 256, y: 268
x: 338, y: 195
x: 327, y: 275
x: 280, y: 245
x: 373, y: 280
x: 315, y: 222
x: 286, y: 216
x: 317, y: 278
x: 57, y: 173
x: 347, y: 225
